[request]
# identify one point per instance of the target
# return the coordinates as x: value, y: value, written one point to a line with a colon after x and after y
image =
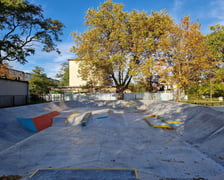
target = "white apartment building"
x: 75, y: 79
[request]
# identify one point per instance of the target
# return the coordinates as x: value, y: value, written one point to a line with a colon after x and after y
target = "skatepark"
x: 151, y: 139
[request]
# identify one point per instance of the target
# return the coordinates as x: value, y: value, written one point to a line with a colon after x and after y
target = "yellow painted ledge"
x: 159, y: 117
x: 69, y: 117
x: 151, y: 124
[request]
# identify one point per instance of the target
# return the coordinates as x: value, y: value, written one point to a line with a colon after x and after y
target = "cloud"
x: 51, y: 69
x: 65, y: 52
x: 51, y: 62
x: 177, y: 7
x: 217, y: 11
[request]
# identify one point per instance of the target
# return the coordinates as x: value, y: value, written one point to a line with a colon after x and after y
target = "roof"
x: 74, y: 59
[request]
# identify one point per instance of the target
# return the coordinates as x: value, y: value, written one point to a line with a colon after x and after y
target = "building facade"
x: 76, y: 83
x: 75, y: 79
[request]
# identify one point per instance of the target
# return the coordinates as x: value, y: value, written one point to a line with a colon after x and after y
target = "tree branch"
x: 12, y: 30
x: 126, y: 77
x: 126, y: 86
x: 119, y: 75
x: 115, y: 80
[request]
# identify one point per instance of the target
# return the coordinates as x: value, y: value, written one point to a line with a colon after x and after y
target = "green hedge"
x: 205, y: 103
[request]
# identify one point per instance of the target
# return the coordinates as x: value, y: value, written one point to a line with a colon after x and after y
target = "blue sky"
x: 72, y: 12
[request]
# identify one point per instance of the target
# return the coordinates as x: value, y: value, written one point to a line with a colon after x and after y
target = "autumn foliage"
x: 128, y: 46
x: 119, y: 44
x: 4, y: 71
x: 189, y: 56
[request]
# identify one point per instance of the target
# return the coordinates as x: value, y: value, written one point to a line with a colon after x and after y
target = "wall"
x: 74, y: 78
x: 13, y: 93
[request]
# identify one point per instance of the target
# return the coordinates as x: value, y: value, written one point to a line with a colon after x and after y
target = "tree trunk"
x: 121, y: 95
x: 121, y: 86
x: 120, y: 91
x: 178, y: 94
x: 149, y: 84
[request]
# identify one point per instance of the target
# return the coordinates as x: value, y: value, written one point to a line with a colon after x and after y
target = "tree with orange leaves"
x: 189, y: 55
x: 4, y: 71
x: 120, y: 44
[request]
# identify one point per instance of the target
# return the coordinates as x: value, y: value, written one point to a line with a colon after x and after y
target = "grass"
x: 205, y: 102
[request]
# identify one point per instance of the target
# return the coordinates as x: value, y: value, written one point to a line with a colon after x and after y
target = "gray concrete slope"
x: 122, y: 140
x: 12, y: 131
x: 202, y: 127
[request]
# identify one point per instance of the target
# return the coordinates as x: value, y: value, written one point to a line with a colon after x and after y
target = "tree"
x: 119, y: 44
x: 39, y: 83
x: 218, y: 83
x: 64, y: 74
x: 4, y: 71
x: 132, y: 87
x: 216, y: 41
x: 189, y: 56
x: 22, y: 24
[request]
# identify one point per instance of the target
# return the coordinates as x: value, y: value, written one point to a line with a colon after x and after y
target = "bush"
x: 205, y: 103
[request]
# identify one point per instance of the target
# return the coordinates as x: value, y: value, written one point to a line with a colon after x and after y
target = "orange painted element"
x: 153, y: 115
x: 44, y: 121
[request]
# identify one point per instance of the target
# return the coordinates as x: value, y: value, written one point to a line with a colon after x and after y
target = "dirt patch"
x: 10, y: 177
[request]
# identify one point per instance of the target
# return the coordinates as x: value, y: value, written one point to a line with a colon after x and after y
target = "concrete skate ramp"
x: 85, y: 174
x: 206, y: 131
x: 121, y: 140
x: 12, y: 131
x: 39, y: 123
x: 201, y: 126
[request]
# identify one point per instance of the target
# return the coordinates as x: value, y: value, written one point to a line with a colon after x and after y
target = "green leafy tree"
x: 218, y: 83
x: 216, y: 41
x: 132, y: 87
x: 119, y: 43
x: 140, y: 86
x: 64, y: 74
x: 39, y: 83
x: 21, y: 24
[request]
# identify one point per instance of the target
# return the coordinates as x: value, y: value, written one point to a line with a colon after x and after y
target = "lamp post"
x: 210, y: 89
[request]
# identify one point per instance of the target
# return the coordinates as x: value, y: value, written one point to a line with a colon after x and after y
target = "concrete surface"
x: 123, y: 140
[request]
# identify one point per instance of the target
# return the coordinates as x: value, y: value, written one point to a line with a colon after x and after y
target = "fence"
x: 110, y: 96
x: 10, y: 100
